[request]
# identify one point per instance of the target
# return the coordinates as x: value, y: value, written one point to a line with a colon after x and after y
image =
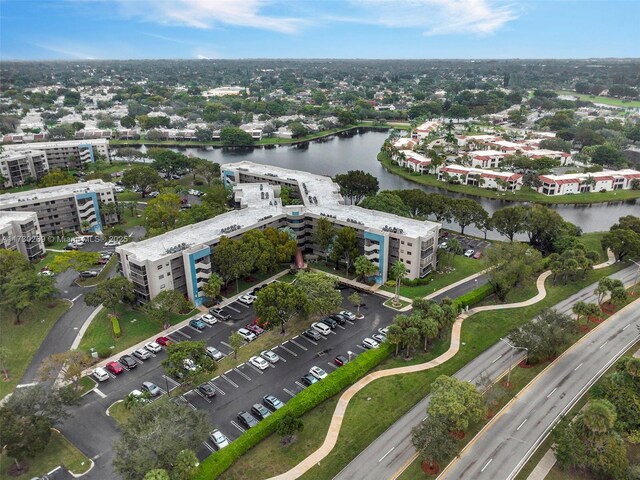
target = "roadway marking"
x: 225, y: 377
x: 237, y: 426
x: 194, y: 329
x: 340, y: 326
x: 334, y: 333
x: 576, y: 369
x: 201, y: 394
x: 287, y: 350
x: 603, y: 344
x: 361, y: 347
x: 209, y: 447
x: 498, y: 358
x: 188, y: 402
x: 552, y: 391
x: 244, y: 375
x: 352, y: 323
x: 289, y: 392
x: 100, y: 394
x: 231, y: 308
x: 486, y: 465
x: 300, y: 385
x: 227, y: 345
x: 27, y: 385
x: 181, y: 333
x: 296, y: 343
x: 216, y: 387
x: 255, y: 368
x: 172, y: 380
x: 627, y: 326
x: 385, y: 455
x: 333, y: 365
x: 245, y: 306
x: 520, y: 426
x: 75, y: 298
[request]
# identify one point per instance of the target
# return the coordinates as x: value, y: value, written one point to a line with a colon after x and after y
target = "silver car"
x: 214, y: 353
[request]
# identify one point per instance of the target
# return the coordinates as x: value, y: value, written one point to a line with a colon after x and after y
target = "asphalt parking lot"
x: 244, y: 385
x: 467, y: 243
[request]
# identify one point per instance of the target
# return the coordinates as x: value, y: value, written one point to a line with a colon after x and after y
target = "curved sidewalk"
x: 338, y: 414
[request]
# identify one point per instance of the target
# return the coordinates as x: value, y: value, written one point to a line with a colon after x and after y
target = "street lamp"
x: 513, y: 349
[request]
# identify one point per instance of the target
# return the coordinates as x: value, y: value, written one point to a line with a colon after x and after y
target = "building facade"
x: 19, y: 167
x: 20, y: 231
x: 69, y: 154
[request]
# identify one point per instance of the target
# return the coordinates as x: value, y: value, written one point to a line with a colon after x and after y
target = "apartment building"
x: 64, y: 207
x: 182, y: 259
x: 69, y: 154
x: 17, y: 167
x: 20, y: 231
x: 572, y: 183
x: 478, y: 177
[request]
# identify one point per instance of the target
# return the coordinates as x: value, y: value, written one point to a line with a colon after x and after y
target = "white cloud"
x: 206, y: 14
x: 65, y: 51
x: 439, y: 17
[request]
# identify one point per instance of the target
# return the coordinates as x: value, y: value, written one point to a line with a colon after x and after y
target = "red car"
x: 114, y: 367
x: 477, y: 255
x: 164, y: 341
x: 255, y: 329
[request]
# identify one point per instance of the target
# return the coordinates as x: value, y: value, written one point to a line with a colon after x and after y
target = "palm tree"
x: 411, y: 337
x: 579, y: 309
x: 84, y: 225
x: 394, y: 336
x: 618, y: 296
x: 397, y: 272
x: 428, y: 329
x: 598, y: 416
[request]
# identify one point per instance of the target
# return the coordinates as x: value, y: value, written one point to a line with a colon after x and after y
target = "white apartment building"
x: 572, y: 183
x: 68, y: 154
x: 64, y: 207
x: 478, y: 177
x: 182, y: 259
x: 21, y: 231
x: 17, y: 167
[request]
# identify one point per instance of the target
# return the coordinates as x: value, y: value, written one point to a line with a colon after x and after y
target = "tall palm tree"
x: 411, y: 338
x: 428, y: 329
x: 397, y: 272
x: 598, y: 416
x: 579, y: 308
x: 394, y: 336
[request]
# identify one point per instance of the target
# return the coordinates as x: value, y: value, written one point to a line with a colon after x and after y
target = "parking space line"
x: 242, y: 304
x: 225, y: 377
x: 334, y: 333
x: 332, y: 365
x: 188, y: 402
x: 217, y: 387
x: 194, y: 329
x: 237, y: 426
x: 256, y: 369
x: 287, y: 350
x: 297, y: 344
x: 227, y: 345
x: 361, y: 347
x: 340, y: 326
x: 231, y: 308
x: 209, y: 447
x: 352, y: 323
x: 201, y: 395
x: 281, y: 359
x: 173, y: 339
x: 177, y: 384
x: 300, y: 385
x: 244, y: 375
x: 99, y: 392
x: 181, y: 333
x: 289, y: 392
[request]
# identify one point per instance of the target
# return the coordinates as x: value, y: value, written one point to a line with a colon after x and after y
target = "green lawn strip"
x: 245, y: 283
x: 525, y: 194
x: 129, y: 196
x: 90, y: 282
x: 462, y: 268
x: 99, y: 335
x: 119, y: 413
x: 22, y: 341
x: 86, y: 385
x: 330, y: 268
x: 598, y: 99
x: 59, y: 451
x: 592, y: 241
x: 401, y: 304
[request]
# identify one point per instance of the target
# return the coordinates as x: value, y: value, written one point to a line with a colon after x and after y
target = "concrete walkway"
x: 338, y: 415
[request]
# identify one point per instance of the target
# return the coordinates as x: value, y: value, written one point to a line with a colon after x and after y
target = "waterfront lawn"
x: 59, y: 451
x: 22, y: 341
x: 604, y: 100
x: 135, y: 326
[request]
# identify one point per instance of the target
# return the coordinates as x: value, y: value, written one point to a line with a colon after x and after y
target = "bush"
x: 474, y: 296
x: 104, y: 353
x: 343, y: 377
x: 115, y: 324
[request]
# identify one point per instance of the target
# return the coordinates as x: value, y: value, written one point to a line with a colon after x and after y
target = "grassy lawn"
x: 389, y: 398
x: 135, y: 326
x: 119, y: 412
x: 86, y: 385
x: 249, y: 281
x: 329, y: 268
x: 59, y: 451
x: 523, y: 195
x: 605, y: 100
x: 128, y: 196
x: 462, y: 268
x: 593, y: 242
x: 23, y: 340
x: 401, y: 304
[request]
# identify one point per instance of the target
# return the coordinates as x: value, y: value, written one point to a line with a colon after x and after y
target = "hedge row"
x: 115, y: 324
x: 343, y: 377
x: 469, y: 299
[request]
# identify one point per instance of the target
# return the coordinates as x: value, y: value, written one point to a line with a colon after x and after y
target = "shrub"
x: 104, y: 352
x: 474, y: 296
x: 115, y: 324
x: 343, y: 377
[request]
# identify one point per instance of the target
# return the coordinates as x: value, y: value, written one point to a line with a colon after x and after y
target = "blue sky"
x: 122, y: 29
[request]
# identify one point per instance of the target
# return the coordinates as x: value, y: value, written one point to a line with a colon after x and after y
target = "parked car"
x: 259, y: 363
x: 256, y: 329
x: 101, y: 261
x: 329, y: 322
x: 477, y: 255
x: 247, y: 419
x: 219, y: 439
x: 197, y: 324
x: 218, y: 312
x: 185, y: 206
x: 142, y: 353
x: 207, y: 390
x: 370, y: 343
x: 273, y: 402
x: 312, y: 334
x: 383, y: 331
x: 348, y: 314
x: 163, y: 341
x: 341, y: 360
x: 154, y: 194
x: 247, y: 335
x: 71, y: 246
x: 341, y: 319
x: 246, y: 299
x: 269, y: 356
x: 152, y: 388
x: 153, y: 347
x: 101, y: 374
x: 318, y: 372
x: 88, y: 274
x: 209, y: 319
x: 309, y: 379
x: 128, y: 361
x: 378, y: 337
x: 321, y: 328
x: 260, y: 411
x: 214, y: 353
x: 189, y: 365
x: 46, y: 273
x: 443, y: 245
x: 114, y: 367
x: 469, y: 253
x: 140, y: 396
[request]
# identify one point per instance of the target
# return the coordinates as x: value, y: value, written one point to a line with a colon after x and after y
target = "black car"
x: 312, y: 334
x: 273, y: 402
x: 260, y: 411
x: 341, y: 319
x: 70, y: 247
x: 309, y: 379
x: 329, y: 322
x: 247, y: 419
x: 207, y: 390
x: 128, y: 361
x: 342, y: 286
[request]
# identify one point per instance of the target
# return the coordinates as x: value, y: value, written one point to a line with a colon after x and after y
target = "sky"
x: 210, y: 29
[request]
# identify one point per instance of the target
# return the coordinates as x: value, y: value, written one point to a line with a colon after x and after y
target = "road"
x: 504, y: 447
x: 392, y: 451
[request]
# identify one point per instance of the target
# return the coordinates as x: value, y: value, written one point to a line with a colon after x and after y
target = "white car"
x: 214, y: 353
x: 247, y: 335
x: 246, y: 299
x: 370, y: 343
x: 469, y: 253
x: 219, y: 439
x: 209, y: 319
x: 269, y: 356
x: 189, y: 365
x: 318, y: 372
x: 46, y: 273
x: 259, y: 362
x: 142, y: 353
x: 153, y: 347
x: 101, y: 374
x: 383, y: 331
x: 348, y: 314
x: 119, y: 189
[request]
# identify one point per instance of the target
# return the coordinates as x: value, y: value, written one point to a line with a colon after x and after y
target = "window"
x: 408, y: 262
x: 160, y: 277
x: 409, y: 244
x: 402, y: 242
x: 159, y: 267
x: 162, y: 286
x: 402, y: 251
x: 168, y: 274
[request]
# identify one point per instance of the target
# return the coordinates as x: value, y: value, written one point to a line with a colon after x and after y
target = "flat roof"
x: 30, y: 196
x: 255, y: 194
x: 63, y: 143
x: 7, y: 217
